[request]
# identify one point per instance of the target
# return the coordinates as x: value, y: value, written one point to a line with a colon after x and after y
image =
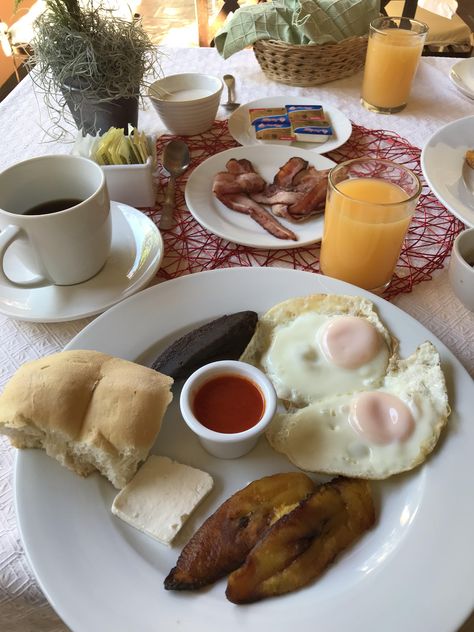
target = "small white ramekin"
x: 461, y: 268
x: 219, y: 444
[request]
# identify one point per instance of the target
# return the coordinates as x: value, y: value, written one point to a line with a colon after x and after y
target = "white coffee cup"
x: 461, y: 268
x: 61, y: 247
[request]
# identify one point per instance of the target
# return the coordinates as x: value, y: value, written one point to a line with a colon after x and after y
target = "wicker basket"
x: 310, y: 65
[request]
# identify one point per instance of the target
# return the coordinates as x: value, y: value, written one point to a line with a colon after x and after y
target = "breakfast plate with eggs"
x: 412, y: 570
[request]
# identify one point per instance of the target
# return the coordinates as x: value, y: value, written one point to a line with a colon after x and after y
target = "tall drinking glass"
x: 393, y: 53
x: 369, y: 207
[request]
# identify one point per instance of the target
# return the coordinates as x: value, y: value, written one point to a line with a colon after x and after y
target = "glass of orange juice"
x: 393, y: 52
x: 369, y: 206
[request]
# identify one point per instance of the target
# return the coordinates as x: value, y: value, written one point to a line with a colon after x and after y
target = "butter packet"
x: 305, y: 112
x: 312, y: 133
x: 273, y: 128
x: 309, y: 123
x: 258, y: 113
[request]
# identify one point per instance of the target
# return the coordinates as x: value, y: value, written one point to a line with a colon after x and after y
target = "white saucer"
x: 244, y: 133
x: 462, y: 76
x: 136, y: 255
x: 446, y: 171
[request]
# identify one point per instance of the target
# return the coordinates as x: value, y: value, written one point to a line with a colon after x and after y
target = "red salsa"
x: 228, y: 404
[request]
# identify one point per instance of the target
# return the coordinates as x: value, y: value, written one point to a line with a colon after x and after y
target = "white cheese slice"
x: 161, y: 496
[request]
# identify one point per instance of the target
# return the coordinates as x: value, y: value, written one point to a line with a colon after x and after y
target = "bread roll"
x: 89, y: 410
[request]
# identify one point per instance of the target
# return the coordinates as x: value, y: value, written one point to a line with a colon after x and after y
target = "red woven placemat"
x: 191, y: 248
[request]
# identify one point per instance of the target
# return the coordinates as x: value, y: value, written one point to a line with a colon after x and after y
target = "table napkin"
x: 296, y: 22
x: 444, y: 8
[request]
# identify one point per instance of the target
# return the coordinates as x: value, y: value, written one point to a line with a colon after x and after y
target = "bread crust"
x: 87, y: 402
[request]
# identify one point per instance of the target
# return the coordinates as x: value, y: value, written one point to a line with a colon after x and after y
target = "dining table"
x: 24, y: 133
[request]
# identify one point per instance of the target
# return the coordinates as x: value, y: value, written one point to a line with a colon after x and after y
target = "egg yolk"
x: 381, y: 418
x: 350, y: 341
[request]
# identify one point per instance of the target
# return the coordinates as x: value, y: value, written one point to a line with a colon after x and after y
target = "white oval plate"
x: 462, y: 76
x: 135, y: 256
x: 414, y: 571
x: 446, y: 171
x: 240, y: 228
x: 244, y: 133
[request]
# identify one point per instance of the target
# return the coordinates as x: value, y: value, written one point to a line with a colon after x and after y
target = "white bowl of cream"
x: 187, y: 103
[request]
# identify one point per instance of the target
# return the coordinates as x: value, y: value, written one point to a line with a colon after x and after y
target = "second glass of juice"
x: 393, y: 52
x: 369, y: 207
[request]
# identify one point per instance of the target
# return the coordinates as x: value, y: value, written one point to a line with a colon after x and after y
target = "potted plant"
x: 92, y: 62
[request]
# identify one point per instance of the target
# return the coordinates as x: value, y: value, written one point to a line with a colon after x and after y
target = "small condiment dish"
x: 187, y: 103
x: 461, y: 268
x: 131, y: 184
x: 230, y: 444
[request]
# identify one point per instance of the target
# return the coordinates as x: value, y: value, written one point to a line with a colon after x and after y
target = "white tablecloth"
x: 434, y: 102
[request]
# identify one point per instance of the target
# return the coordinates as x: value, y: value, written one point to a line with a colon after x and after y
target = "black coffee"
x: 54, y: 206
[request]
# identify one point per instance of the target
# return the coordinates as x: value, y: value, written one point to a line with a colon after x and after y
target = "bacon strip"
x: 297, y: 191
x: 288, y: 171
x: 225, y: 182
x: 239, y: 166
x: 314, y: 186
x: 307, y: 178
x: 279, y: 197
x: 242, y: 203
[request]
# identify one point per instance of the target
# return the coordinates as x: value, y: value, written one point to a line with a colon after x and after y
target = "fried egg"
x: 321, y: 345
x: 373, y: 433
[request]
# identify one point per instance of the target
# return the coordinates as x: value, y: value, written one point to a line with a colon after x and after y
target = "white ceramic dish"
x: 240, y: 228
x: 446, y: 171
x: 241, y: 130
x: 136, y: 254
x: 131, y: 184
x: 187, y: 103
x: 221, y: 444
x: 414, y: 571
x: 461, y: 268
x: 462, y: 76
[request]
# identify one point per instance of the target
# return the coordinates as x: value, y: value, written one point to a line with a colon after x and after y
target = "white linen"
x: 433, y: 103
x: 444, y: 8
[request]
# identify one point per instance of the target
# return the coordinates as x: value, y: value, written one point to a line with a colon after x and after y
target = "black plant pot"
x: 91, y: 116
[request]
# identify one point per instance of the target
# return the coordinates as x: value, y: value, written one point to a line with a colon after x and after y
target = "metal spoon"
x: 158, y: 92
x: 231, y: 105
x: 176, y: 160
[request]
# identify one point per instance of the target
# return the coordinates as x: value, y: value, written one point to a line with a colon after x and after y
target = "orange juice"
x: 392, y: 59
x: 364, y: 226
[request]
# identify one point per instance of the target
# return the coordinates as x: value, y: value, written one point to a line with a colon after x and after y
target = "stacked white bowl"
x: 187, y: 103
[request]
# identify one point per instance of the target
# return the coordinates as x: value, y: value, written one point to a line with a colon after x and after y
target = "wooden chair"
x: 446, y: 37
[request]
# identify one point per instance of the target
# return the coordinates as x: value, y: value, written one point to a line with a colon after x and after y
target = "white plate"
x: 446, y: 171
x: 240, y: 228
x: 462, y: 76
x: 413, y: 572
x: 244, y: 133
x: 136, y: 254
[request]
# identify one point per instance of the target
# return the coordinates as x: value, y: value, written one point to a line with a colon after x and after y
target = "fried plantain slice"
x: 221, y: 544
x: 299, y: 546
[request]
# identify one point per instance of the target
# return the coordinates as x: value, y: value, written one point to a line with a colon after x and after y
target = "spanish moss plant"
x: 88, y: 47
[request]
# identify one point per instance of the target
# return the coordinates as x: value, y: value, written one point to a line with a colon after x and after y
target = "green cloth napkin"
x: 296, y: 22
